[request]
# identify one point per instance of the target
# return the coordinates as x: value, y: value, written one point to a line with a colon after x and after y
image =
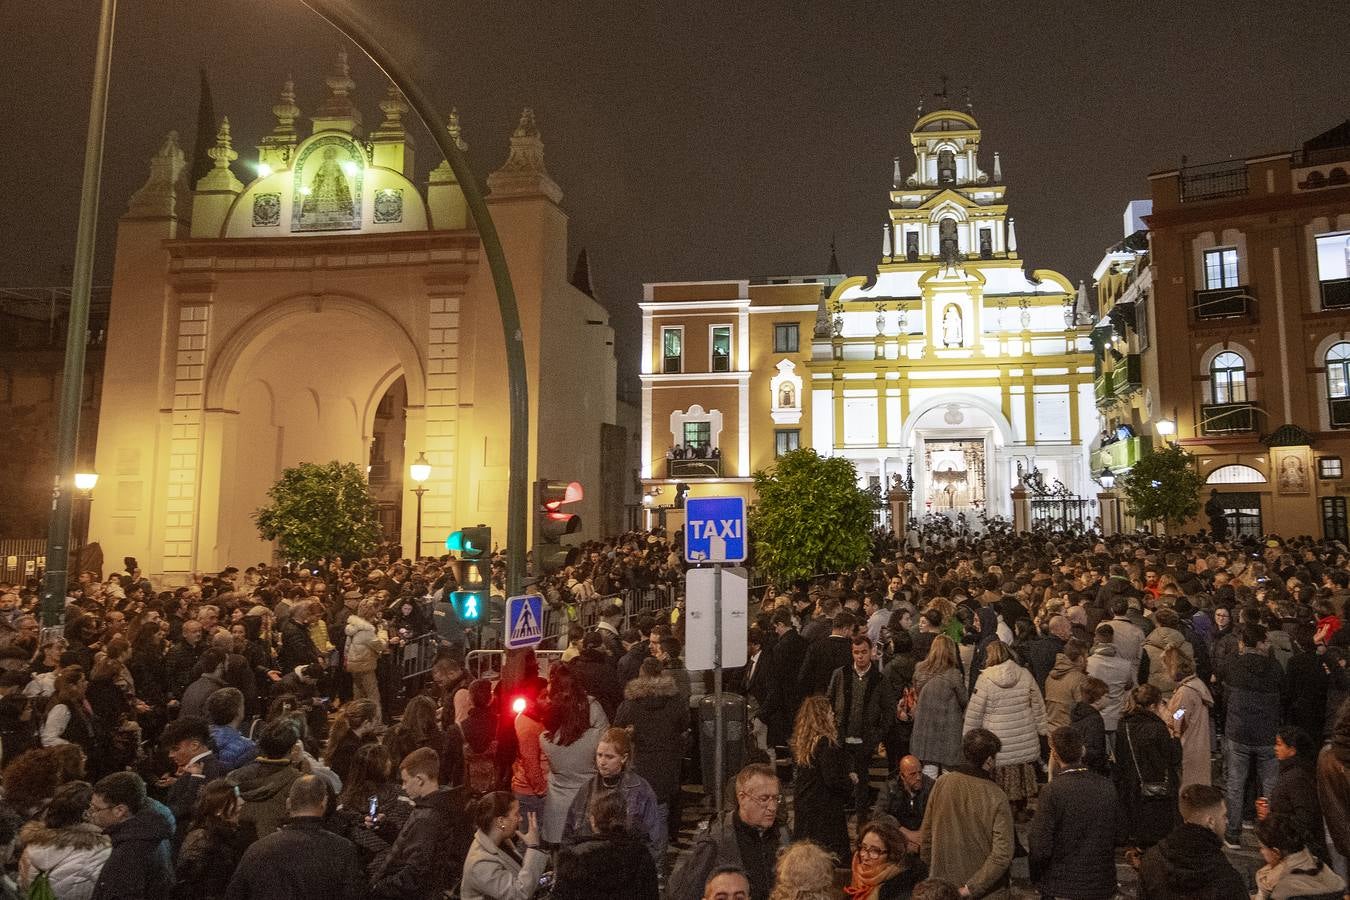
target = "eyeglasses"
x: 767, y: 799
x: 871, y: 850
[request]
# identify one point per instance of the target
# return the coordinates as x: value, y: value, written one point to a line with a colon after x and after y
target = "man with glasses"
x: 748, y: 839
x: 140, y: 866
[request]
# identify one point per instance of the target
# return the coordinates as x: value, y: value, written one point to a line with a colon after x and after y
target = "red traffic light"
x: 518, y: 705
x: 556, y: 494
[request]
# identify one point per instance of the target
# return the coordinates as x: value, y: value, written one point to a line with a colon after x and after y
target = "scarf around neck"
x: 868, y: 877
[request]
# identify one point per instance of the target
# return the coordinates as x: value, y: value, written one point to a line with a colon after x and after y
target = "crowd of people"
x: 1074, y: 704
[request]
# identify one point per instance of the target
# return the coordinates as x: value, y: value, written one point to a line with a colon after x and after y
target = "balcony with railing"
x: 1104, y: 385
x: 1336, y: 293
x: 1227, y: 418
x: 1213, y: 181
x: 1223, y: 303
x: 1126, y: 376
x: 1121, y: 454
x: 695, y: 467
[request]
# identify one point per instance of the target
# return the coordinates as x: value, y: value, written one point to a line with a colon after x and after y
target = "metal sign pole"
x: 718, y: 723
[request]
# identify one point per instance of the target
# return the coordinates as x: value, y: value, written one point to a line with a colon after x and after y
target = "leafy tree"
x: 321, y: 510
x: 1164, y: 485
x: 811, y: 517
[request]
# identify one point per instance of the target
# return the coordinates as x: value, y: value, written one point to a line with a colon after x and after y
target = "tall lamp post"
x: 1107, y: 478
x: 84, y: 483
x: 419, y: 472
x: 54, y: 580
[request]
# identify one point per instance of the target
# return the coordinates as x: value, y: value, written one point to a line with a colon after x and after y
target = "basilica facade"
x: 327, y: 300
x: 950, y: 364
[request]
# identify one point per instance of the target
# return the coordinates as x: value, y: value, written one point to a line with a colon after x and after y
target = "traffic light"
x: 551, y: 522
x: 474, y: 547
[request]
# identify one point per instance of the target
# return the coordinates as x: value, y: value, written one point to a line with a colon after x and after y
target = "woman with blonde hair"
x: 805, y: 871
x: 939, y: 711
x: 366, y: 640
x: 1193, y: 701
x: 353, y: 726
x: 823, y: 781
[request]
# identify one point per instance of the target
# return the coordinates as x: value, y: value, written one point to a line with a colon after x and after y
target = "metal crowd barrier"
x: 488, y: 663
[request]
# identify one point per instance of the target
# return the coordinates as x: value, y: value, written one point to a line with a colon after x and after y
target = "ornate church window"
x: 946, y: 167
x: 949, y: 247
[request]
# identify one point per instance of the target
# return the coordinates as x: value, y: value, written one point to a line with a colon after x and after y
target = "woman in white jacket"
x: 1008, y: 703
x: 70, y: 850
x: 366, y: 640
x: 498, y: 867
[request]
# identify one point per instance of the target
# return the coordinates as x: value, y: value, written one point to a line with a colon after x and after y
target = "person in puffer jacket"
x: 1008, y: 703
x: 366, y: 640
x: 70, y: 850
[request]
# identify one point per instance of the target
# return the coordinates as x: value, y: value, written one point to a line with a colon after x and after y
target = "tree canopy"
x: 321, y: 510
x: 1164, y: 485
x: 811, y: 517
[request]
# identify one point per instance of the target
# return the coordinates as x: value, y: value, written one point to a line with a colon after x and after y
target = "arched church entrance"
x: 958, y: 446
x: 304, y: 382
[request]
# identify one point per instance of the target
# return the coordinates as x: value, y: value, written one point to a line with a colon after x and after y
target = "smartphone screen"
x: 1178, y: 714
x: 374, y: 806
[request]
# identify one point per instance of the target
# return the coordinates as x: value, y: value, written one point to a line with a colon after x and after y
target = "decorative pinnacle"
x: 453, y: 127
x: 393, y: 106
x: 340, y: 82
x: 526, y: 128
x: 222, y: 152
x: 286, y: 111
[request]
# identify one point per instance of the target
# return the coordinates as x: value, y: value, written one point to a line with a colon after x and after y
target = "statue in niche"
x: 329, y: 193
x: 951, y: 326
x: 786, y: 400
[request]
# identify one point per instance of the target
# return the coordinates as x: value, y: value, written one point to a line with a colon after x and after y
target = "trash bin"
x: 733, y: 737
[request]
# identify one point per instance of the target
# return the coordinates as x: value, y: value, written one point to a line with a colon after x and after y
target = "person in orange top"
x: 529, y: 770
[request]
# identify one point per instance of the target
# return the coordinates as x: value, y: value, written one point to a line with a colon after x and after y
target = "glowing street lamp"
x: 1165, y: 428
x: 1107, y: 479
x: 85, y: 481
x: 419, y: 472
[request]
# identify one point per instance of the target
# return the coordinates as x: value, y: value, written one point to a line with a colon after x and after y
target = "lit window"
x: 1228, y: 378
x: 1221, y: 268
x: 786, y: 440
x: 1333, y: 256
x: 721, y: 348
x: 785, y: 337
x: 672, y: 350
x: 1329, y: 467
x: 1338, y: 371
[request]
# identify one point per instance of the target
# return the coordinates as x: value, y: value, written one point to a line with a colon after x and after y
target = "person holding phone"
x: 1189, y: 711
x: 416, y: 866
x: 499, y: 866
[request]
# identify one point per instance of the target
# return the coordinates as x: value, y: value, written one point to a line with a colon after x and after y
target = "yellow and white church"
x: 951, y: 364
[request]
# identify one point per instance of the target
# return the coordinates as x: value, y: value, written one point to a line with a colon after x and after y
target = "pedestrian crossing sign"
x: 524, y: 621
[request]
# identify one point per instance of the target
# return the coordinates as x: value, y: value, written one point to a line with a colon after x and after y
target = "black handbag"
x: 1148, y: 790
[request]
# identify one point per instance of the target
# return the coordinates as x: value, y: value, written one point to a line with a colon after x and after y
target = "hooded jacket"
x: 1105, y: 662
x: 72, y: 857
x: 1188, y: 863
x: 611, y: 866
x: 1008, y: 703
x: 364, y: 645
x: 1155, y: 645
x: 140, y: 865
x: 1298, y: 875
x: 1063, y: 689
x: 660, y: 722
x: 424, y: 861
x: 263, y: 785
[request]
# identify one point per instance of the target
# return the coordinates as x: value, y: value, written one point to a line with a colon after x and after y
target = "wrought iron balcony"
x: 710, y: 467
x: 1340, y: 412
x: 1213, y: 181
x: 1227, y: 418
x: 1336, y: 293
x: 1223, y: 303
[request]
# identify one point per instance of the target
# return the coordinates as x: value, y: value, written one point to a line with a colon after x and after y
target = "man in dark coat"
x: 748, y: 838
x: 826, y: 655
x: 428, y: 854
x: 863, y: 709
x: 140, y: 866
x: 904, y: 798
x: 1190, y: 861
x: 188, y: 741
x: 297, y: 647
x: 1042, y: 652
x: 180, y: 663
x: 1252, y: 691
x: 597, y: 673
x: 302, y: 860
x: 1073, y: 836
x: 1295, y: 793
x: 784, y: 698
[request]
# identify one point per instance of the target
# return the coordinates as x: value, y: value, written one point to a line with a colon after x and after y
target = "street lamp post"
x: 55, y: 577
x: 419, y: 472
x: 340, y: 15
x: 84, y: 483
x: 1107, y: 479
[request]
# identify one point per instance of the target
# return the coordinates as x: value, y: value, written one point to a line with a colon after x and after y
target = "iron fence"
x: 22, y: 559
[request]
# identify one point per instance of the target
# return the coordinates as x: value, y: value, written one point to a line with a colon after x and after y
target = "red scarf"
x: 869, y: 876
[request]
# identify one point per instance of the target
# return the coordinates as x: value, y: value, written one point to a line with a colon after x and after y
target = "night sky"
x: 698, y: 140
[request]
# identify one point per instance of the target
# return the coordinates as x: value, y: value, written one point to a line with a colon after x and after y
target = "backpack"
x: 480, y: 769
x: 41, y: 888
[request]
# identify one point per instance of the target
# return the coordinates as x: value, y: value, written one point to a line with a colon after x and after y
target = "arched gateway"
x: 332, y: 309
